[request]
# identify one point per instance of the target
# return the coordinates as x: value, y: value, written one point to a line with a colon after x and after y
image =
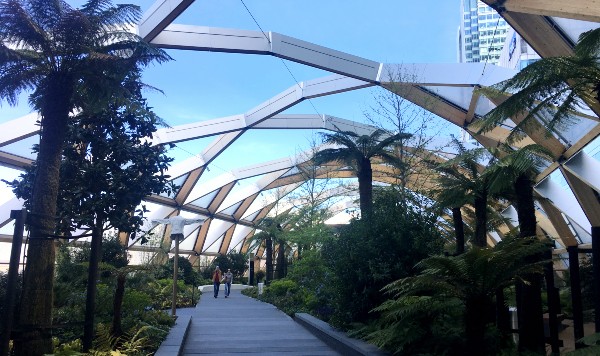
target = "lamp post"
x: 177, y: 225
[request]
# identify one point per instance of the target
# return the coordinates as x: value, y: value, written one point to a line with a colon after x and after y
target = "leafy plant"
x: 259, y: 275
x: 367, y: 255
x: 286, y: 295
x: 461, y: 289
x: 251, y: 292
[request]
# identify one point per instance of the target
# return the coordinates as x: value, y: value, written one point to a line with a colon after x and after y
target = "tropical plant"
x: 314, y: 278
x: 271, y: 232
x: 357, y: 151
x: 512, y: 175
x: 468, y: 281
x: 237, y: 262
x: 307, y: 229
x: 367, y: 255
x: 139, y: 295
x: 108, y: 167
x: 286, y: 295
x: 4, y: 291
x: 462, y: 181
x: 65, y: 56
x: 185, y: 271
x: 552, y: 88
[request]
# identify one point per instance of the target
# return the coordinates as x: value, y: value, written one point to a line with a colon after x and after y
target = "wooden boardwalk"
x: 240, y: 325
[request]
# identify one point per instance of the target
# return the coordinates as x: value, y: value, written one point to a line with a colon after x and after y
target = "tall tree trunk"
x: 281, y: 260
x: 90, y: 301
x: 502, y: 314
x: 476, y: 316
x: 480, y: 205
x: 117, y: 329
x: 35, y: 316
x: 269, y: 260
x: 529, y: 296
x: 365, y: 188
x: 525, y: 206
x: 459, y: 230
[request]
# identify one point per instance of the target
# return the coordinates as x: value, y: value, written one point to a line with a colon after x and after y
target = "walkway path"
x: 241, y: 325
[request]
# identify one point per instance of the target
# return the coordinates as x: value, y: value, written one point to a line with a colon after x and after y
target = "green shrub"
x: 251, y: 292
x: 368, y: 254
x: 314, y: 278
x: 285, y: 295
x: 259, y: 276
x: 281, y: 288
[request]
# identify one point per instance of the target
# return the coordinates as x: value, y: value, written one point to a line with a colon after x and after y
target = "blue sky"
x: 204, y: 85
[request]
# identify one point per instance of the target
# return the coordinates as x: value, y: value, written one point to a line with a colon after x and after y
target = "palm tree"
x: 62, y: 56
x: 357, y: 152
x: 271, y: 232
x: 453, y: 199
x: 552, y: 88
x: 547, y: 92
x: 513, y: 175
x: 463, y: 181
x: 472, y: 279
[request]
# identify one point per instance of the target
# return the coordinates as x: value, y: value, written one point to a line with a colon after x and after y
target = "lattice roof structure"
x: 447, y: 90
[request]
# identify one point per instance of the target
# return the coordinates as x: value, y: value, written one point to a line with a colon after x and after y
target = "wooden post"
x: 576, y: 293
x: 552, y: 304
x: 250, y: 269
x: 13, y: 273
x: 90, y: 298
x: 175, y: 275
x: 596, y: 268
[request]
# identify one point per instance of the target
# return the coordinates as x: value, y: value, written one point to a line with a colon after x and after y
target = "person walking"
x: 228, y: 278
x: 216, y: 277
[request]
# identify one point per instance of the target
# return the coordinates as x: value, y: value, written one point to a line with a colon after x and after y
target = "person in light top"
x: 228, y: 278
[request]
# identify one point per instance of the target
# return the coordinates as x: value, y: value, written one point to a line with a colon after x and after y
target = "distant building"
x: 482, y: 33
x: 516, y: 53
x: 481, y: 36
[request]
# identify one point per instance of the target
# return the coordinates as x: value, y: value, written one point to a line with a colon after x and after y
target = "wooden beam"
x: 188, y: 184
x: 220, y: 197
x: 558, y: 222
x: 201, y: 239
x: 539, y: 31
x: 226, y: 240
x: 431, y: 102
x: 585, y: 195
x: 584, y: 10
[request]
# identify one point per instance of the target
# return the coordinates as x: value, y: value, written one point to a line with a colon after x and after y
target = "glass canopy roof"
x: 234, y: 200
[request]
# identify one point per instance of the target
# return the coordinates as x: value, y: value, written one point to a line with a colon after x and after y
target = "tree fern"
x: 549, y: 91
x: 446, y: 288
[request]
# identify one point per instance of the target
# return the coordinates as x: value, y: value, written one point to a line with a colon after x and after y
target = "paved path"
x: 240, y: 325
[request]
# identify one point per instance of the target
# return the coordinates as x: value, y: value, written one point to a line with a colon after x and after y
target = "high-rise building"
x: 482, y: 33
x: 516, y: 53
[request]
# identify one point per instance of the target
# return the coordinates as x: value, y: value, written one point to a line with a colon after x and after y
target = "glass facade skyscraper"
x: 482, y: 33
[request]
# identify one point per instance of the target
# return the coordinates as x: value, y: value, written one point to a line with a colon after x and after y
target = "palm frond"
x: 588, y: 44
x: 552, y: 89
x: 380, y: 146
x: 18, y: 28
